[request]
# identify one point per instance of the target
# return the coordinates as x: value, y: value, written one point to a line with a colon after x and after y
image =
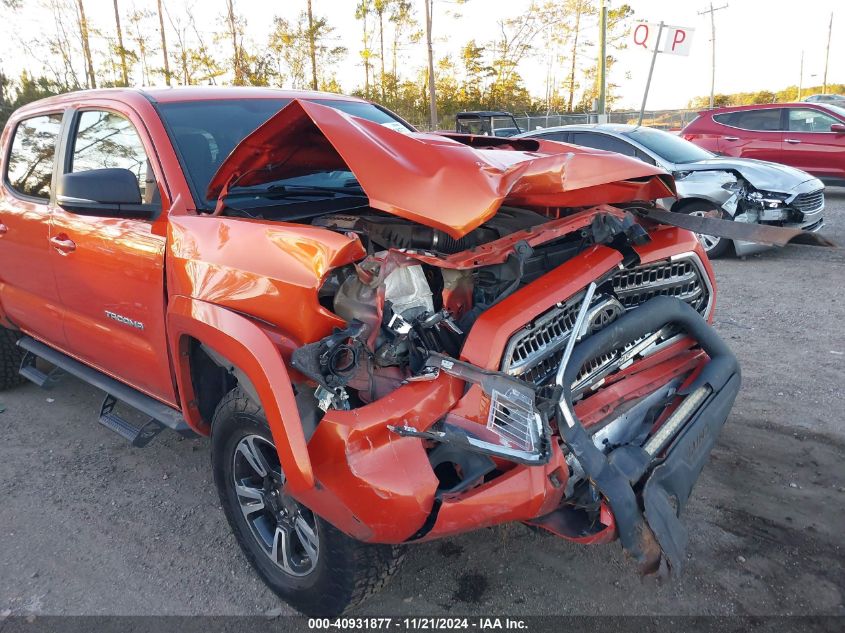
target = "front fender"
x: 248, y: 348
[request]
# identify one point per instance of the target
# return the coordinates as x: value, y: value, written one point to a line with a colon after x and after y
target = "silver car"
x: 741, y: 189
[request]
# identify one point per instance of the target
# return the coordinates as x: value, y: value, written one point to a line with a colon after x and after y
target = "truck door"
x: 110, y: 268
x: 28, y: 293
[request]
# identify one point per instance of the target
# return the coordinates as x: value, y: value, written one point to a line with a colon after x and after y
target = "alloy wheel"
x: 286, y: 531
x: 708, y: 242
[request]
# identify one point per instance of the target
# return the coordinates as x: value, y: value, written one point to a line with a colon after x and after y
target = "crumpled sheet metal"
x: 449, y: 184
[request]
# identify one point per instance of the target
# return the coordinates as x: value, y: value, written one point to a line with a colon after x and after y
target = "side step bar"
x: 161, y: 415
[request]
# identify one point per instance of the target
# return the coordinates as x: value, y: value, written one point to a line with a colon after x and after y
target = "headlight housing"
x: 769, y: 199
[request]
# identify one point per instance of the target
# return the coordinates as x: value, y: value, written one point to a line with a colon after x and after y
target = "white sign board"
x: 675, y: 40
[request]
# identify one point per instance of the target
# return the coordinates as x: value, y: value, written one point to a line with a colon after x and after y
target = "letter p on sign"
x: 679, y: 40
x: 676, y: 40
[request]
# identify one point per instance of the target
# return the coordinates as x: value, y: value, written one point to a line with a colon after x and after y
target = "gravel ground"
x: 90, y: 526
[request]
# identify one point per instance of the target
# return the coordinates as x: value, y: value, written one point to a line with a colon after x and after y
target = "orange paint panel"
x: 520, y: 494
x: 247, y: 347
x: 373, y: 483
x: 271, y: 272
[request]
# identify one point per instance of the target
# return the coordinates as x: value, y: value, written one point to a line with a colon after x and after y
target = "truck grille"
x: 681, y: 279
x: 809, y: 202
x: 534, y: 352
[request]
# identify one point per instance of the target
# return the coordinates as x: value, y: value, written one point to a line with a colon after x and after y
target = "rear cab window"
x: 762, y: 120
x: 29, y: 168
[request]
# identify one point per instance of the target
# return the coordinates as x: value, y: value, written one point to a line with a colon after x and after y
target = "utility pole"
x: 827, y: 54
x: 602, y: 59
x: 801, y: 78
x: 432, y: 97
x: 711, y: 11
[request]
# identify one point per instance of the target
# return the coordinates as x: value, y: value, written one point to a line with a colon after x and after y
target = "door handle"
x: 3, y: 229
x: 794, y: 141
x: 63, y: 244
x: 731, y: 138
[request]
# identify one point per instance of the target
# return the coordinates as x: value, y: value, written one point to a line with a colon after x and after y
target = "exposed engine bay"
x: 401, y: 306
x: 408, y: 315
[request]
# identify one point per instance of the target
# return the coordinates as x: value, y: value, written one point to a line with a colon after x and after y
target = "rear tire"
x: 10, y: 359
x: 307, y: 562
x: 715, y: 247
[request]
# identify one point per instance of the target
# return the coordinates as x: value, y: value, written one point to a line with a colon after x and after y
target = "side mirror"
x: 107, y: 192
x: 839, y: 128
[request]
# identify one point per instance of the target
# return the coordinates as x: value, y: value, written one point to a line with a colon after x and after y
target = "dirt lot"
x: 89, y: 526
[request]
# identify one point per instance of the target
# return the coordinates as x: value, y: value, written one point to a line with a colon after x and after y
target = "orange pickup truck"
x: 389, y: 336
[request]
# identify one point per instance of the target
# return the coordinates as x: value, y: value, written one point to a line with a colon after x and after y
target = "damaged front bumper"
x: 419, y: 463
x: 663, y: 469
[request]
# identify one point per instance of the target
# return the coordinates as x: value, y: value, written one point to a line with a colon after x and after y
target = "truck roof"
x: 184, y: 93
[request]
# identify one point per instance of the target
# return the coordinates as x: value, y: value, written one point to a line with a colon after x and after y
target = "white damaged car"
x: 741, y: 189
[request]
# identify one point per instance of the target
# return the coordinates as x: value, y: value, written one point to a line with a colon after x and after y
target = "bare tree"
x: 579, y: 8
x: 61, y: 46
x: 180, y: 55
x: 380, y: 7
x: 163, y: 44
x: 312, y: 47
x: 120, y: 49
x: 307, y: 39
x: 362, y: 12
x: 237, y: 53
x: 86, y: 46
x: 432, y: 94
x: 138, y: 36
x: 404, y: 27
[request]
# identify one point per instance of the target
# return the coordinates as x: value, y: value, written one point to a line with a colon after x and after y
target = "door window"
x: 555, y: 136
x: 764, y: 120
x: 30, y: 165
x: 107, y: 140
x: 602, y: 141
x: 806, y: 120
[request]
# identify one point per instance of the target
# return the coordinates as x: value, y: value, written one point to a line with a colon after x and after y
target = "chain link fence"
x: 669, y: 120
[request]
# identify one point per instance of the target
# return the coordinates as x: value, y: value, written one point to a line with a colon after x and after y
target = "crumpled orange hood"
x: 453, y: 183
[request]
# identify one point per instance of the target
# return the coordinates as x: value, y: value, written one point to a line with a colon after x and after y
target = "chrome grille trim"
x: 809, y: 202
x: 541, y: 338
x: 680, y: 278
x: 534, y: 352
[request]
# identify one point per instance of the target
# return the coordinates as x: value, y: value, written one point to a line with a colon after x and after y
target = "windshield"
x: 669, y: 147
x: 206, y: 132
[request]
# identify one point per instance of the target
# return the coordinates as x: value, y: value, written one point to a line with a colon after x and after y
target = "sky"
x: 759, y: 42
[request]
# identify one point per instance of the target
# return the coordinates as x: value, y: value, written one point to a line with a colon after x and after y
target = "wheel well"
x: 212, y: 377
x: 210, y: 381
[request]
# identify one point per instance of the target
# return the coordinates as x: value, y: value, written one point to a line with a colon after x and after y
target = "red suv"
x: 809, y: 136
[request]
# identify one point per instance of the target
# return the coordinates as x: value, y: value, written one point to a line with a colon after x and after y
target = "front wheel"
x: 306, y: 561
x: 713, y: 245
